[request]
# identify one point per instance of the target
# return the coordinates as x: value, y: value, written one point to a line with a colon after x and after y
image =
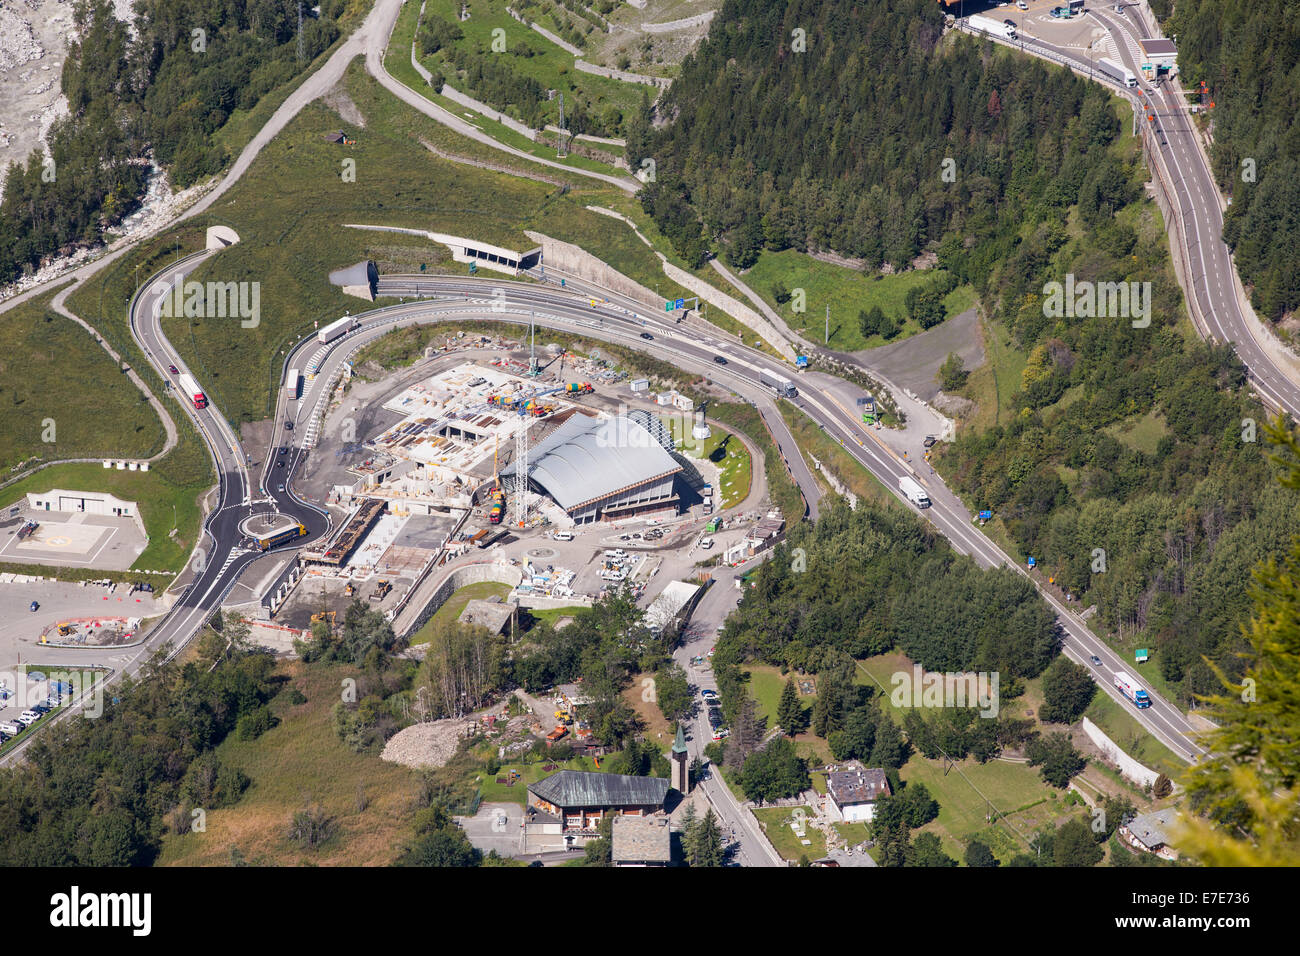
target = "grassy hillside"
x: 299, y: 761
x: 57, y: 381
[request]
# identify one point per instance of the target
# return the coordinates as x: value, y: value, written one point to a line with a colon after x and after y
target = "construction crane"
x: 521, y: 467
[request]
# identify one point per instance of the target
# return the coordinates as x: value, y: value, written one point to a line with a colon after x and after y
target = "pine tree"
x: 1248, y: 785
x: 789, y: 713
x: 707, y: 845
x: 690, y: 831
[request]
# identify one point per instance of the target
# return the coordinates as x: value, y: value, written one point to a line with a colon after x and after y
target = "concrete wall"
x: 1128, y: 767
x: 661, y: 82
x: 733, y: 307
x: 564, y: 45
x: 687, y: 23
x: 464, y: 99
x: 567, y: 257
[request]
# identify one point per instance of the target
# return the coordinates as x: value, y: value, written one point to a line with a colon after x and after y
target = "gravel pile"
x: 425, y: 745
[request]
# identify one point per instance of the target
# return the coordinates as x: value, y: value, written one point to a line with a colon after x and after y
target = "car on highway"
x: 720, y: 360
x: 281, y: 488
x: 647, y: 335
x: 280, y: 463
x: 1096, y: 661
x: 289, y: 425
x: 173, y: 369
x: 36, y: 606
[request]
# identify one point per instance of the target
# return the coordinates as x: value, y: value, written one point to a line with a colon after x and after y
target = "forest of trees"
x: 103, y: 792
x: 158, y: 91
x: 1246, y: 53
x: 875, y: 580
x: 844, y: 146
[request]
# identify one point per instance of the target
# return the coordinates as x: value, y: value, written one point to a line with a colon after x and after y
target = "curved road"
x: 622, y: 320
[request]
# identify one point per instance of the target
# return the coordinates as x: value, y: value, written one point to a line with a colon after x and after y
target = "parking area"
x: 1035, y: 19
x: 496, y: 826
x: 68, y: 539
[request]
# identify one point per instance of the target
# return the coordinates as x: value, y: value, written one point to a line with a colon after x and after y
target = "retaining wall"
x: 1128, y: 767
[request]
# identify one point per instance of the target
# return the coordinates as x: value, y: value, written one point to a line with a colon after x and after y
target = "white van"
x: 11, y: 728
x: 564, y: 536
x: 706, y: 543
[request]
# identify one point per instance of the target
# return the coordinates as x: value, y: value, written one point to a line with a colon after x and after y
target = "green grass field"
x: 552, y: 615
x: 64, y: 397
x: 993, y: 384
x: 1141, y: 433
x: 723, y: 449
x: 517, y: 792
x: 847, y: 292
x: 776, y: 824
x: 765, y: 684
x: 451, y: 609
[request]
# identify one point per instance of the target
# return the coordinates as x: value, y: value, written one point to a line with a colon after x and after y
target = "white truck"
x: 777, y: 383
x: 1131, y: 689
x: 992, y: 27
x: 291, y: 383
x: 912, y: 489
x: 339, y: 327
x: 1117, y: 72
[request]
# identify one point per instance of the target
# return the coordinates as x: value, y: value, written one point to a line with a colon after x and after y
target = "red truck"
x: 193, y: 392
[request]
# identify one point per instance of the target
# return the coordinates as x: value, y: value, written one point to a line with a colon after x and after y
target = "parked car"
x: 709, y: 694
x: 721, y: 733
x: 1022, y: 5
x: 929, y: 441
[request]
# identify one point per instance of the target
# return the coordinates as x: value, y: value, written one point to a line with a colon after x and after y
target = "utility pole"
x: 562, y: 153
x: 300, y: 51
x: 532, y: 345
x: 828, y: 324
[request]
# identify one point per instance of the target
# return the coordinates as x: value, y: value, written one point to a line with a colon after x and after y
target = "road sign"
x: 669, y: 305
x: 422, y: 266
x: 473, y: 267
x: 561, y: 283
x: 680, y: 303
x: 1141, y: 655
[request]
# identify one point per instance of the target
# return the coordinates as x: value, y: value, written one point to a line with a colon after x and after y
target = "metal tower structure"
x: 521, y: 467
x: 562, y: 153
x: 532, y: 345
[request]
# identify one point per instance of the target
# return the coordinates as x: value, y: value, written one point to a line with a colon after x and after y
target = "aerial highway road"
x: 221, y: 556
x: 1218, y: 303
x: 617, y: 319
